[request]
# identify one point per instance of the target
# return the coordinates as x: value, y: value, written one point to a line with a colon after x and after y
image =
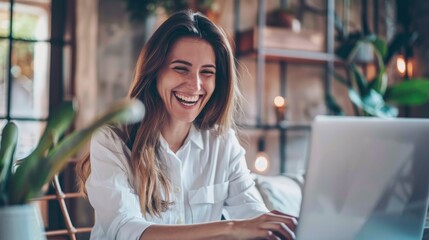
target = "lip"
x: 187, y: 100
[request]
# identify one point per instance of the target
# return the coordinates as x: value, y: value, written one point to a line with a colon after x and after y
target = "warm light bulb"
x: 261, y: 162
x: 279, y: 101
x: 403, y: 66
x: 410, y: 68
x: 400, y: 65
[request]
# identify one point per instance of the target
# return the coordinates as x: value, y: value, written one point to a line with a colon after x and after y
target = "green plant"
x: 141, y: 9
x: 53, y: 150
x: 375, y: 97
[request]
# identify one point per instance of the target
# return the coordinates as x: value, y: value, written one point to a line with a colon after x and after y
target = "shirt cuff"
x: 132, y: 229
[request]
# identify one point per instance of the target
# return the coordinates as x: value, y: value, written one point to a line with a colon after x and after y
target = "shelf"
x: 294, y: 56
x: 281, y: 44
x: 280, y: 126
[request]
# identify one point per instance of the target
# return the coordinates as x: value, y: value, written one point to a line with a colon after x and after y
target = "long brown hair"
x: 150, y: 178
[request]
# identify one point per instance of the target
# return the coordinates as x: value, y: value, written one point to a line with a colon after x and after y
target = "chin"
x: 186, y: 119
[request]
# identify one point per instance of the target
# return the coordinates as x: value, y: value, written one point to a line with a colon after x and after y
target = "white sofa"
x: 283, y: 192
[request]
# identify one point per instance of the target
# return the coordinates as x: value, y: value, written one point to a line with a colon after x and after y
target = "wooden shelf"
x: 293, y: 56
x: 280, y: 44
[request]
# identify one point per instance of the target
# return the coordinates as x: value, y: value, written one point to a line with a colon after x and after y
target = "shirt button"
x: 177, y: 189
x: 179, y: 221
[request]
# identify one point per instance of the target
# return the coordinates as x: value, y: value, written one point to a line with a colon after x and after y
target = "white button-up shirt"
x: 208, y: 175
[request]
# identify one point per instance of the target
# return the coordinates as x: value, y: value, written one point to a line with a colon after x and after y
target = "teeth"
x: 187, y: 99
x: 188, y: 104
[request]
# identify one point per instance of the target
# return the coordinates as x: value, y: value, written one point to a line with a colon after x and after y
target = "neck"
x: 175, y: 134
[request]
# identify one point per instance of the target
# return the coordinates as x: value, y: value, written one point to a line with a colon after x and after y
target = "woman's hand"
x: 272, y: 225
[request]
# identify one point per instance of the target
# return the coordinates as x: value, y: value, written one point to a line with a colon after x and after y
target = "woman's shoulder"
x: 108, y: 133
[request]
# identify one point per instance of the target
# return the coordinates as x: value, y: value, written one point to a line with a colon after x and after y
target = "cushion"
x: 282, y: 193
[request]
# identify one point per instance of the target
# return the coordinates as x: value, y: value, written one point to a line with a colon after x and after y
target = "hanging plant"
x: 141, y: 9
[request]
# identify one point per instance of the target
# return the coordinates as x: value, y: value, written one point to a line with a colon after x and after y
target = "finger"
x: 293, y: 225
x: 289, y: 221
x: 277, y: 212
x: 271, y: 236
x: 279, y: 229
x: 291, y: 234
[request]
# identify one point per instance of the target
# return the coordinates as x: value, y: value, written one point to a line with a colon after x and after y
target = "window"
x: 35, y: 63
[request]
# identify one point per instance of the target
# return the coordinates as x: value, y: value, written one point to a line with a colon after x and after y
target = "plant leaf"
x: 341, y: 79
x: 379, y: 83
x: 409, y: 93
x: 56, y: 126
x: 387, y: 111
x: 354, y: 51
x: 372, y: 104
x: 380, y: 50
x: 333, y: 105
x: 9, y: 139
x: 380, y: 45
x: 359, y: 79
x: 129, y: 111
x: 59, y: 121
x: 348, y: 49
x: 344, y: 50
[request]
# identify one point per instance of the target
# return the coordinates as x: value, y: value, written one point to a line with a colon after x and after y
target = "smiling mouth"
x: 187, y: 100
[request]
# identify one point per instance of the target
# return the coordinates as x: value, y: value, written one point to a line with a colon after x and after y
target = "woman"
x: 172, y: 175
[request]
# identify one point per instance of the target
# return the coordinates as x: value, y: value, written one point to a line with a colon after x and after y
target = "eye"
x: 180, y: 69
x: 208, y: 72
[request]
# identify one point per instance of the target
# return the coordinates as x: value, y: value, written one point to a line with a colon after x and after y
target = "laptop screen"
x: 367, y: 178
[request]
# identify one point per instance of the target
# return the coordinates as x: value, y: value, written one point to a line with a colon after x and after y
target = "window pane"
x: 4, y: 55
x: 2, y: 124
x: 4, y: 18
x: 31, y: 20
x: 29, y: 134
x: 30, y: 84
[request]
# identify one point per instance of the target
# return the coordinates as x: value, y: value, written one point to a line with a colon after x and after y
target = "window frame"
x: 61, y: 87
x: 62, y: 27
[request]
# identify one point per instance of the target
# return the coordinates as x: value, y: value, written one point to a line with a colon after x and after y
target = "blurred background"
x: 293, y: 57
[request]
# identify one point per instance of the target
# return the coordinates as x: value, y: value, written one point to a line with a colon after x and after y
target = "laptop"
x: 367, y: 178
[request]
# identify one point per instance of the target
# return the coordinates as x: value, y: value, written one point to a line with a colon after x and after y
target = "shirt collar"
x: 194, y: 136
x: 163, y: 142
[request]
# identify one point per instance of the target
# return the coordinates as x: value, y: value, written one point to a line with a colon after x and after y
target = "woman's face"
x: 187, y: 79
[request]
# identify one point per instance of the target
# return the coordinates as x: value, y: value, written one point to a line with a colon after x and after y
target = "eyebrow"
x: 190, y: 64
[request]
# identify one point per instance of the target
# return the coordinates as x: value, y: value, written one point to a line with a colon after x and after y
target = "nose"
x: 194, y: 82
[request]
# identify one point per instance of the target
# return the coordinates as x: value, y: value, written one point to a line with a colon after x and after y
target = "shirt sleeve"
x: 116, y: 205
x: 244, y: 201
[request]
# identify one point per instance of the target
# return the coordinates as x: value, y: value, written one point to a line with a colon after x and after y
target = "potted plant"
x: 20, y: 183
x: 283, y: 17
x: 374, y: 97
x: 142, y: 9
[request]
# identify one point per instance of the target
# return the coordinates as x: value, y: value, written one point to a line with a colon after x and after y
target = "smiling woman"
x: 172, y: 175
x: 187, y: 81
